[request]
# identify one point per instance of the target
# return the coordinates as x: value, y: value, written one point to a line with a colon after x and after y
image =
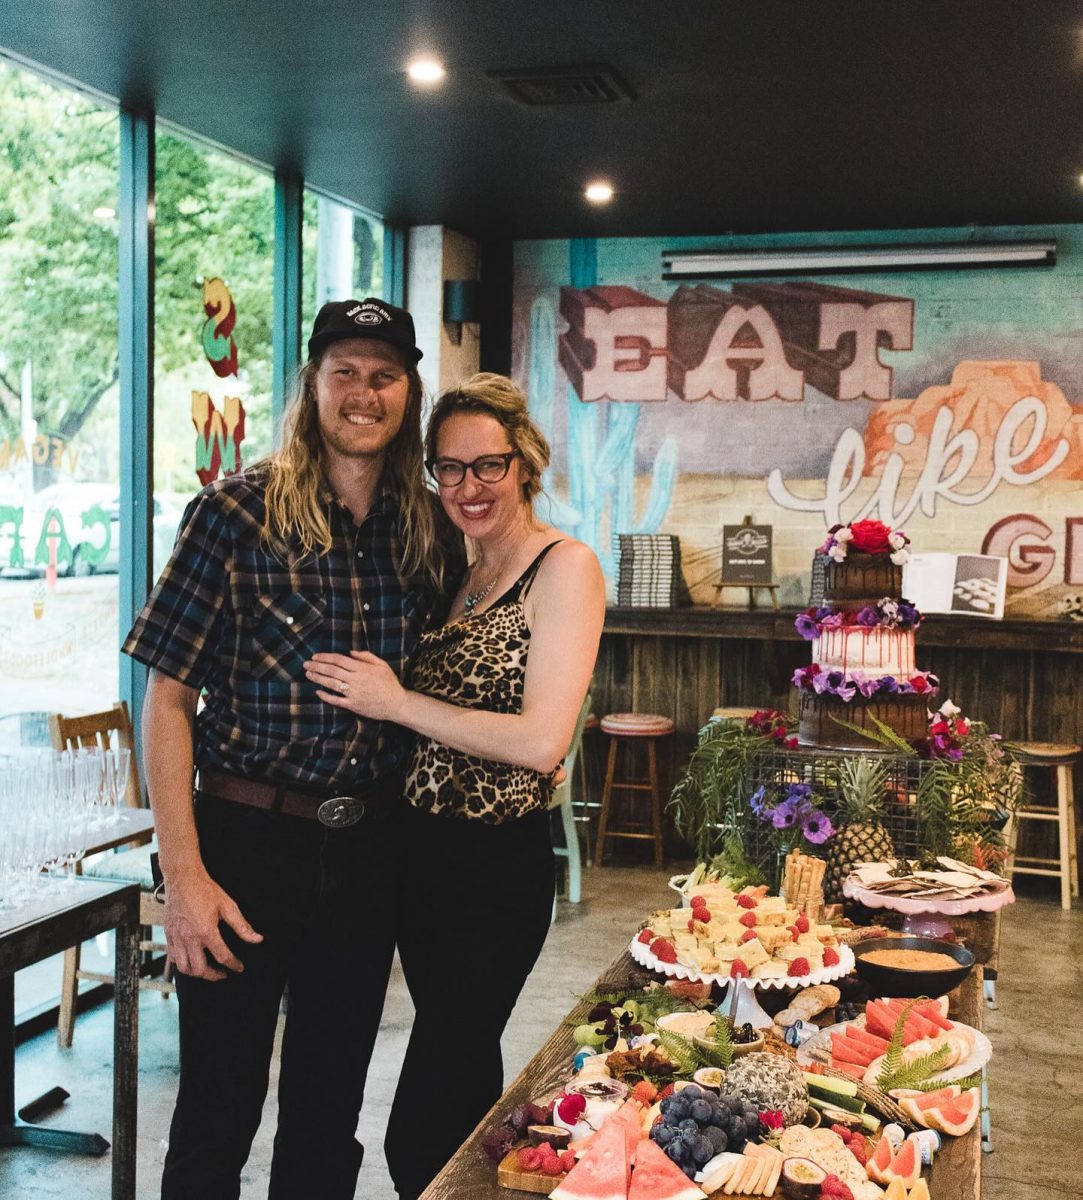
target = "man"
x: 282, y: 872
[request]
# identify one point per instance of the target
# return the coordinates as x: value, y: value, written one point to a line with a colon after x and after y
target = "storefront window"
x: 214, y: 300
x: 59, y: 418
x: 342, y: 255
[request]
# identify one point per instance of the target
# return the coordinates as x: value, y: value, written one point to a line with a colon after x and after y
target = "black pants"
x: 470, y: 932
x: 322, y: 898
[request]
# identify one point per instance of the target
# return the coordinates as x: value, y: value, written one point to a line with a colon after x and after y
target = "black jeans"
x: 322, y: 898
x: 470, y: 932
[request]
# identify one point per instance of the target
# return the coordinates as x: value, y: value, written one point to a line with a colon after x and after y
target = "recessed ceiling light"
x: 599, y: 192
x: 104, y: 213
x: 426, y: 70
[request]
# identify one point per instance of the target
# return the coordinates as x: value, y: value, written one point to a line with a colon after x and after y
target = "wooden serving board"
x: 509, y: 1175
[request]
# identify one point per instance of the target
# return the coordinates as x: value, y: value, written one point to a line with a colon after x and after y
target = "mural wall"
x: 948, y: 404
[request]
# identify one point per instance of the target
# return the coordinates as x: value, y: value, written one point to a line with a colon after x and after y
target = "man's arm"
x: 194, y: 903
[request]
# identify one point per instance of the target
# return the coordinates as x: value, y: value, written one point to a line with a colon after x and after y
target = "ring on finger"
x: 344, y: 687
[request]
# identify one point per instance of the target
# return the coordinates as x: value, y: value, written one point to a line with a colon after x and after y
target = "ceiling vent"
x: 564, y: 85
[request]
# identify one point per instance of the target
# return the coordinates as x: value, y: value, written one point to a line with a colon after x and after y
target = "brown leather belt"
x: 333, y: 811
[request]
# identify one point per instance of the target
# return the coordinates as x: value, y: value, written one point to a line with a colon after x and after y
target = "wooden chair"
x: 1057, y: 760
x: 128, y: 864
x: 562, y: 799
x: 625, y: 729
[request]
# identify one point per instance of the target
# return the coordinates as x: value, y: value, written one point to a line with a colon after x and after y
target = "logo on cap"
x: 369, y: 314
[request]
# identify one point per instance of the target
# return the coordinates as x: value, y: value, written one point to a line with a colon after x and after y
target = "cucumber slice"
x: 831, y: 1086
x: 846, y: 1102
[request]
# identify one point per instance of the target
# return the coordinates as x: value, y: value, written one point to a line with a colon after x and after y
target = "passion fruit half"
x: 801, y: 1178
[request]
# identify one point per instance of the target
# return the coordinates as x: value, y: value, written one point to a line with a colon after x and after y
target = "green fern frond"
x: 723, y: 1042
x: 682, y: 1052
x: 916, y: 1073
x: 885, y: 735
x: 893, y: 1057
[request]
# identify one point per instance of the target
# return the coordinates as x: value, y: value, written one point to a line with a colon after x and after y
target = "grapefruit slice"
x: 880, y: 1161
x: 603, y: 1173
x: 920, y: 1191
x: 657, y: 1177
x: 957, y: 1115
x: 906, y: 1165
x: 896, y: 1190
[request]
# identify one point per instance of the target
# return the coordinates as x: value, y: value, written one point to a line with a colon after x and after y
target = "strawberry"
x: 799, y: 966
x: 831, y: 956
x: 747, y: 936
x: 668, y: 1090
x: 645, y: 1092
x: 567, y: 1159
x: 663, y: 951
x: 802, y: 923
x: 746, y: 901
x: 748, y: 920
x: 646, y: 936
x: 738, y: 970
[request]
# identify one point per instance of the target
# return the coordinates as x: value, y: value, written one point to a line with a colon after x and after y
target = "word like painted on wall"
x: 218, y: 434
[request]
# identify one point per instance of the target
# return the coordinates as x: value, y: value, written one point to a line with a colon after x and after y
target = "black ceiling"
x: 758, y: 115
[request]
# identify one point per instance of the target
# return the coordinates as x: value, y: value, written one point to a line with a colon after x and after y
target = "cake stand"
x: 749, y: 1010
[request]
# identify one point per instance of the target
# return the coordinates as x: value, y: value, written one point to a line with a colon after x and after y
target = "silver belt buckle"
x: 340, y: 812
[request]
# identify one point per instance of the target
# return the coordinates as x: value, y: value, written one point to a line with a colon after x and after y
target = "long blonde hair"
x: 498, y: 397
x: 296, y: 508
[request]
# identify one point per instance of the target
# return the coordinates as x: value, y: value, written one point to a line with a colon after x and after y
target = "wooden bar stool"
x: 1059, y: 759
x: 624, y: 729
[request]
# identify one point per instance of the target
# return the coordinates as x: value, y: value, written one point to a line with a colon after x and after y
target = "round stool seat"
x: 1048, y: 753
x: 636, y: 725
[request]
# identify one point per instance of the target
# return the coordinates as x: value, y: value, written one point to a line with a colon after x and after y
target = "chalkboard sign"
x: 816, y: 589
x: 746, y: 555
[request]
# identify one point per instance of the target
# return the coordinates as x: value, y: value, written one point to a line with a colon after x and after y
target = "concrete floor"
x: 1036, y: 1079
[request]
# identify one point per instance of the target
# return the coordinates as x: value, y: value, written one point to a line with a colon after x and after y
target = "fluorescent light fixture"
x: 426, y: 70
x: 599, y: 192
x: 947, y: 256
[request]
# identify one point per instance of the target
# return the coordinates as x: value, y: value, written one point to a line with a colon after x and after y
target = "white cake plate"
x: 914, y: 904
x: 748, y: 1007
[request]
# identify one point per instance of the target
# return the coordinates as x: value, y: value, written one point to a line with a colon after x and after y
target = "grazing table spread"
x: 955, y: 1172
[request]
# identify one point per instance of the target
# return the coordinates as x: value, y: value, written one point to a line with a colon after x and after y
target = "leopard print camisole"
x: 478, y: 661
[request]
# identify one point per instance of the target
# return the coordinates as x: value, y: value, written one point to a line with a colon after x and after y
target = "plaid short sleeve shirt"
x: 228, y: 617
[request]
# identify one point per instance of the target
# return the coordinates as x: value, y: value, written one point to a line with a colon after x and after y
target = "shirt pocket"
x: 287, y: 629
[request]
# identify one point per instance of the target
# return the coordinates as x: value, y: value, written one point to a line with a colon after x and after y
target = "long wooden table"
x: 471, y: 1174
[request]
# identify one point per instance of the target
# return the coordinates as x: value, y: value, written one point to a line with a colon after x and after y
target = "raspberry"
x: 845, y: 1133
x: 645, y: 1092
x: 663, y: 951
x: 746, y: 902
x: 834, y: 1187
x: 831, y: 956
x: 859, y: 1148
x: 738, y: 970
x: 702, y: 914
x: 529, y: 1158
x: 692, y: 924
x: 802, y: 923
x: 799, y: 966
x: 646, y: 936
x: 747, y: 936
x: 551, y: 1166
x: 567, y: 1159
x: 699, y: 902
x: 748, y: 920
x: 793, y: 931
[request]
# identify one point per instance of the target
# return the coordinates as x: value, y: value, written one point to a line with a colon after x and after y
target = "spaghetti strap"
x: 522, y: 585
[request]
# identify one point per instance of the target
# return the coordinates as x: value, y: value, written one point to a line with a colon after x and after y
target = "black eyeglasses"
x: 489, y: 468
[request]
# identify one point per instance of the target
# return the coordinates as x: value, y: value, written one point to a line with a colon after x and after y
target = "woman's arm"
x: 565, y: 610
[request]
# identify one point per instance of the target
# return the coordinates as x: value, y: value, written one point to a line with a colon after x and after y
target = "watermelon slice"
x: 849, y: 1069
x: 926, y: 1027
x: 931, y: 1011
x: 844, y: 1049
x: 604, y: 1172
x: 630, y: 1117
x: 864, y: 1038
x: 657, y: 1177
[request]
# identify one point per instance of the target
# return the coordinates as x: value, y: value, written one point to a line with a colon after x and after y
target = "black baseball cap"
x: 368, y: 318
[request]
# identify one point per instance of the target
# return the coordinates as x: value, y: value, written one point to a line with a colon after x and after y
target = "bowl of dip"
x: 907, y: 967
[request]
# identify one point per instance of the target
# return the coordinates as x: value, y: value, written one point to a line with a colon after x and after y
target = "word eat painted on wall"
x: 218, y: 434
x: 995, y: 425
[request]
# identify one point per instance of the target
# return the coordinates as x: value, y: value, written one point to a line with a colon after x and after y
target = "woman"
x: 494, y: 696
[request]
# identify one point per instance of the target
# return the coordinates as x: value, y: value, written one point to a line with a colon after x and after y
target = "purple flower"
x: 867, y: 685
x: 798, y: 791
x: 825, y: 610
x: 817, y: 828
x: 909, y: 617
x: 833, y: 620
x: 868, y: 617
x: 786, y: 815
x: 806, y: 626
x: 756, y: 800
x: 888, y: 684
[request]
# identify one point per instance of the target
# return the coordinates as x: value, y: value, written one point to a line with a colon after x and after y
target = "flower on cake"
x: 866, y: 537
x: 886, y: 613
x: 846, y: 687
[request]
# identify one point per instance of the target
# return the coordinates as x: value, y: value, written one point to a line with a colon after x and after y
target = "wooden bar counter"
x: 471, y: 1174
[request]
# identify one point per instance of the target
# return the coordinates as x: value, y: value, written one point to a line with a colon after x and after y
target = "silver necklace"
x: 472, y: 599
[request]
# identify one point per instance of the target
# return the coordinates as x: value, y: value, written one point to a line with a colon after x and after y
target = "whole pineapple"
x: 860, y: 834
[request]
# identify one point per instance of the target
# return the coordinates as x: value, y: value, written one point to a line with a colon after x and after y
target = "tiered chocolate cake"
x: 862, y: 638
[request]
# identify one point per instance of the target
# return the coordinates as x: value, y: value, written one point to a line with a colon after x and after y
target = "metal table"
x: 64, y: 915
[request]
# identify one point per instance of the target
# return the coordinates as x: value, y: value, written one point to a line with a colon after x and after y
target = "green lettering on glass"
x: 13, y: 516
x: 52, y: 529
x: 96, y: 515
